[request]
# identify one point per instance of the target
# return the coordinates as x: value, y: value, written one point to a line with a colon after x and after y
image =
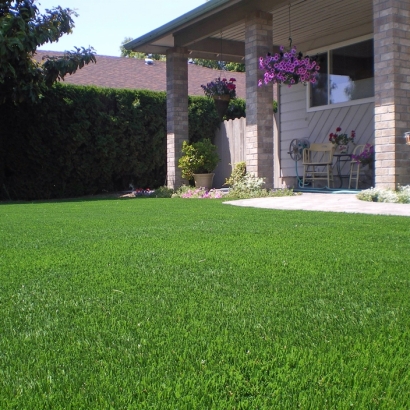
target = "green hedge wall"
x: 82, y: 140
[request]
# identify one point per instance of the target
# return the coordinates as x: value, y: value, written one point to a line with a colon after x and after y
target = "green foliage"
x: 203, y: 120
x: 220, y: 65
x: 244, y: 185
x: 86, y: 140
x: 162, y: 192
x: 178, y: 304
x: 22, y: 30
x: 136, y: 54
x: 236, y: 109
x: 237, y: 67
x: 401, y: 196
x: 238, y: 173
x: 82, y: 140
x: 198, y: 158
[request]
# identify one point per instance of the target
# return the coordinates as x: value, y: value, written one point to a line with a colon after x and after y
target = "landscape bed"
x: 192, y: 304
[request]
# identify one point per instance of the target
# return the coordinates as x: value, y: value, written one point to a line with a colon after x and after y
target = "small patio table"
x: 340, y: 160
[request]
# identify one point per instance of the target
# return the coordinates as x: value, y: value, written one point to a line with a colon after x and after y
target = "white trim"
x: 337, y: 105
x: 341, y: 44
x: 326, y: 50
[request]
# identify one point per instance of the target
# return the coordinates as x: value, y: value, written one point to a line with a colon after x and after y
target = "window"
x: 346, y: 74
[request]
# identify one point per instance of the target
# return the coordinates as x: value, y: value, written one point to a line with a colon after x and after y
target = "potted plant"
x: 198, y: 162
x: 366, y: 157
x: 342, y: 140
x: 222, y: 91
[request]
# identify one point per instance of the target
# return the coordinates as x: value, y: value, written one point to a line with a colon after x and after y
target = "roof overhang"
x: 216, y: 29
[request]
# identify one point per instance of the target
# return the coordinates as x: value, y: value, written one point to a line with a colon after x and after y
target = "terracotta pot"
x: 204, y: 180
x: 221, y: 104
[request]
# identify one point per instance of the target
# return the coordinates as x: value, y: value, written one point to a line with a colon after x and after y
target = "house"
x: 132, y: 73
x: 364, y: 48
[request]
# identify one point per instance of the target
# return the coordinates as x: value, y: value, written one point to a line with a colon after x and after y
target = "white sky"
x: 103, y: 24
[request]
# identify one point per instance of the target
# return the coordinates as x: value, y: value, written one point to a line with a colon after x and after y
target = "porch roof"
x: 217, y: 28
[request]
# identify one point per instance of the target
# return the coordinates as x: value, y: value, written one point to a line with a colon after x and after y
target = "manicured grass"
x: 192, y: 304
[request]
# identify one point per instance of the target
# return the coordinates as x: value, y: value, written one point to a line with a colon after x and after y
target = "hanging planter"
x: 222, y: 91
x: 288, y: 67
x: 221, y: 104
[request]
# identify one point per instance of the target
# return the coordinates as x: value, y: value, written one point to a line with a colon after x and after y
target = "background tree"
x: 22, y: 30
x: 217, y: 65
x: 137, y: 54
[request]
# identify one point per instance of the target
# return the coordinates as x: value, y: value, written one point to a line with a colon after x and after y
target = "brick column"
x: 391, y: 20
x: 177, y: 111
x: 259, y: 114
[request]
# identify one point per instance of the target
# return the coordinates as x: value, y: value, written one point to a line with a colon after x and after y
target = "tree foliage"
x: 137, y: 54
x: 219, y: 65
x: 22, y: 30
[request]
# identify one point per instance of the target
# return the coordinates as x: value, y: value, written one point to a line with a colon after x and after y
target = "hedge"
x: 83, y: 140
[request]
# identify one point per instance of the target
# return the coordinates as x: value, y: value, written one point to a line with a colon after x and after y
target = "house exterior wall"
x: 392, y: 91
x: 297, y: 122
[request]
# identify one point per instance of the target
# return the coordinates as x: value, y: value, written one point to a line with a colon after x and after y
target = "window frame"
x: 327, y: 50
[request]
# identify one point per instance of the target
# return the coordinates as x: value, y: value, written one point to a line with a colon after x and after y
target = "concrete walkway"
x: 325, y: 202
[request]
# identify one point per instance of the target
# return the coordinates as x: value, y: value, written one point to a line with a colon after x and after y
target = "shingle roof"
x: 132, y: 73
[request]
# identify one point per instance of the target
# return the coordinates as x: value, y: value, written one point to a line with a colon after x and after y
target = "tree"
x: 137, y: 54
x: 220, y: 65
x: 22, y: 30
x: 217, y: 65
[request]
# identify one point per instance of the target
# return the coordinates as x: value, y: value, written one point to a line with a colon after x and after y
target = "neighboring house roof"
x: 132, y: 73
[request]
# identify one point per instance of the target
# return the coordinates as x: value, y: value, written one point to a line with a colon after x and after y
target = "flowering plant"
x: 341, y: 139
x: 366, y: 157
x: 200, y: 193
x: 220, y: 87
x: 288, y: 67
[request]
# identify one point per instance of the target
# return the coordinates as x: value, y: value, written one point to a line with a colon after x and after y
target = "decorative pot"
x: 203, y: 180
x: 342, y: 148
x: 221, y: 104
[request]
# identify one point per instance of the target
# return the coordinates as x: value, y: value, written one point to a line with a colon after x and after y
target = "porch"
x: 244, y: 30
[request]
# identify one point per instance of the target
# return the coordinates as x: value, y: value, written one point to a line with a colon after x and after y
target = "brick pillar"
x: 177, y: 111
x: 259, y: 114
x: 391, y: 19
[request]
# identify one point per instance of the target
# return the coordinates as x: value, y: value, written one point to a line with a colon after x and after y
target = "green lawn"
x: 192, y: 304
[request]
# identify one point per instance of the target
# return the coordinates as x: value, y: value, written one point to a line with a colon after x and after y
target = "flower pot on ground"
x: 204, y: 180
x: 198, y: 158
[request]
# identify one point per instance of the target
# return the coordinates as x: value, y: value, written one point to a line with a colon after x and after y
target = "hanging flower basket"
x: 221, y: 104
x: 288, y: 67
x: 222, y: 91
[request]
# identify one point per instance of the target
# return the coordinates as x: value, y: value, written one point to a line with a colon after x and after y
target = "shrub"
x: 199, y: 158
x: 402, y: 195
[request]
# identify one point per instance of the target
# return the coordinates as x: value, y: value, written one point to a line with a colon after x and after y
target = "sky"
x: 103, y: 24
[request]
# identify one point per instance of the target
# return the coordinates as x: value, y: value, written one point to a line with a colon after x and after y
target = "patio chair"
x: 355, y: 166
x: 318, y: 163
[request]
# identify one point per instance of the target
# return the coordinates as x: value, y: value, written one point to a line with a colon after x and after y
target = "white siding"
x: 296, y: 122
